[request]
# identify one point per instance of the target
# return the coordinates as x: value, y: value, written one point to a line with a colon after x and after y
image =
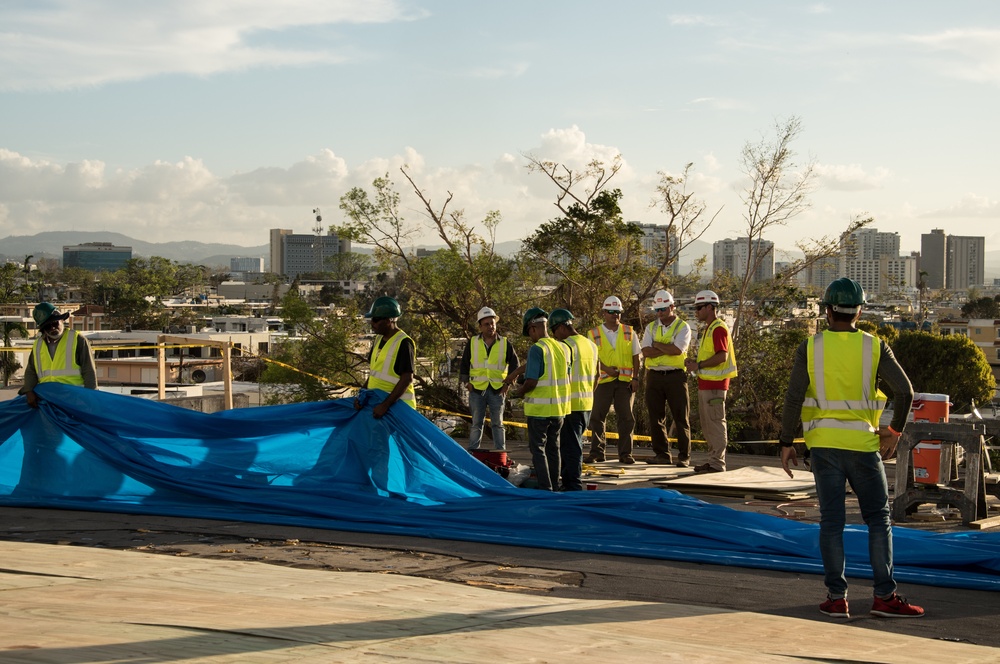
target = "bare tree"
x: 777, y: 191
x: 686, y: 219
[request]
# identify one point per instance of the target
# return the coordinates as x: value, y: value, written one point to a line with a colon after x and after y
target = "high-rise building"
x: 966, y: 262
x: 821, y: 272
x: 656, y: 243
x: 934, y: 258
x: 277, y: 249
x: 870, y: 244
x: 96, y: 256
x: 735, y: 256
x: 293, y: 254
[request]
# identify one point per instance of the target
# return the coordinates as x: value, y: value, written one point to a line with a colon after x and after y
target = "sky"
x: 216, y: 121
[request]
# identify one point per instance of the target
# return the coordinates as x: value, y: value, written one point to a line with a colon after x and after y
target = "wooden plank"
x: 983, y: 524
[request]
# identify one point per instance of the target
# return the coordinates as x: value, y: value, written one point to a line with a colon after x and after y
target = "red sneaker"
x: 835, y: 608
x: 895, y: 607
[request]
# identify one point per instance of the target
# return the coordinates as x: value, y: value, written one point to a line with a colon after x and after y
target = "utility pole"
x: 318, y: 229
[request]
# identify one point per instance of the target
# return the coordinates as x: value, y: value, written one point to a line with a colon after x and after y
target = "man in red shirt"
x: 714, y: 366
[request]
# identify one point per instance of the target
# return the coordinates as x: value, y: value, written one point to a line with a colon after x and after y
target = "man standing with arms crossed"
x: 486, y: 362
x: 583, y: 372
x: 714, y: 366
x: 834, y: 390
x: 664, y: 348
x: 546, y: 397
x: 618, y: 360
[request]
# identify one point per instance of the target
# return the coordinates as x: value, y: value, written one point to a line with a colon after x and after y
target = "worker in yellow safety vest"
x: 834, y: 390
x: 546, y: 393
x: 487, y: 361
x: 714, y: 366
x: 58, y: 355
x: 664, y: 349
x: 582, y: 378
x: 392, y: 357
x: 618, y: 354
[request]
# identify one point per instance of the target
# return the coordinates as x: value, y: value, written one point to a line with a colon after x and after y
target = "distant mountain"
x: 50, y: 245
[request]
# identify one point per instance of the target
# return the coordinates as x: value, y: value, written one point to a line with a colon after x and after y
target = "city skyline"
x: 216, y: 122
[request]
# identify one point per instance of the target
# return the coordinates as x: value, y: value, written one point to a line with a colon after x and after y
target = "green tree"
x: 952, y: 364
x: 11, y: 282
x: 983, y: 307
x: 327, y: 348
x: 8, y: 362
x: 132, y: 296
x: 440, y: 292
x: 590, y: 251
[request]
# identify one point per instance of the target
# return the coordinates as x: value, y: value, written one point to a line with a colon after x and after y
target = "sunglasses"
x: 699, y: 307
x: 613, y: 313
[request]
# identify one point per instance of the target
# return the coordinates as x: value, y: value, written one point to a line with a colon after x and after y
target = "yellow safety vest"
x: 843, y: 403
x: 664, y: 334
x: 706, y: 349
x: 383, y: 374
x: 581, y: 372
x: 550, y: 396
x: 62, y: 367
x: 488, y: 367
x: 619, y: 356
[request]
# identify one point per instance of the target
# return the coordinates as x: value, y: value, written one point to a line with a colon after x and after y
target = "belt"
x: 664, y: 371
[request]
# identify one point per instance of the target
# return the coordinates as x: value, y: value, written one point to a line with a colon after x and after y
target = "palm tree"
x: 8, y: 363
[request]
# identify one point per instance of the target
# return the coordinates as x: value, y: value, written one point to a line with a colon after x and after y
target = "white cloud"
x: 971, y: 205
x: 975, y: 53
x: 850, y: 177
x: 66, y: 44
x: 721, y: 103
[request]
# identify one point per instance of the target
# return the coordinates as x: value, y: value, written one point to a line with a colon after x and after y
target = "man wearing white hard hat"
x: 664, y: 348
x: 618, y: 370
x: 487, y: 362
x: 715, y: 365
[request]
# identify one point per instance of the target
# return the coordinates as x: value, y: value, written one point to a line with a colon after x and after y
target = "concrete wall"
x: 211, y: 403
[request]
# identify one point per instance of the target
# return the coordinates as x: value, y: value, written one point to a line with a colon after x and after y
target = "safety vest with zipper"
x: 619, y: 355
x: 664, y: 334
x: 488, y: 367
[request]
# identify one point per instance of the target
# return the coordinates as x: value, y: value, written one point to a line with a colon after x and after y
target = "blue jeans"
x: 571, y: 449
x: 543, y: 440
x: 831, y: 469
x: 478, y: 403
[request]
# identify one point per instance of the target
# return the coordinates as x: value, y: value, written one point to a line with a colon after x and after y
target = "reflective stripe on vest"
x: 60, y: 367
x: 843, y: 403
x: 618, y: 356
x: 581, y: 374
x: 550, y: 396
x: 488, y: 367
x: 383, y: 374
x: 664, y: 334
x: 706, y: 349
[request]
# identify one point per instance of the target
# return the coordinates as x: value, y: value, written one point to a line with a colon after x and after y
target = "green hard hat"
x: 844, y: 295
x: 558, y: 317
x: 530, y: 315
x: 384, y: 307
x: 46, y: 312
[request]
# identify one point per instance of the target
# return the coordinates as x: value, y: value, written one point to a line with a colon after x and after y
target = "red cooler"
x: 932, y: 408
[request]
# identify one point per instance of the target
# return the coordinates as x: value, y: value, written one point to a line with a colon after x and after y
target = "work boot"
x: 628, y: 459
x: 706, y: 468
x: 594, y: 458
x: 659, y: 460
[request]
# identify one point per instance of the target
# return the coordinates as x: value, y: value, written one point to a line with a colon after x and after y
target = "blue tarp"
x: 327, y: 465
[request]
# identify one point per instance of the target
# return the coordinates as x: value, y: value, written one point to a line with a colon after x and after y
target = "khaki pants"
x: 712, y: 412
x: 618, y: 393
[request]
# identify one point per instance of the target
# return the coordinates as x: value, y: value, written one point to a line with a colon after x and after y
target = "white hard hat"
x: 613, y: 304
x: 662, y: 300
x: 486, y: 312
x: 706, y: 297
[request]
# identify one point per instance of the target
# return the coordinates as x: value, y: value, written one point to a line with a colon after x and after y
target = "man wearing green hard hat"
x: 392, y: 358
x: 834, y: 391
x: 58, y: 355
